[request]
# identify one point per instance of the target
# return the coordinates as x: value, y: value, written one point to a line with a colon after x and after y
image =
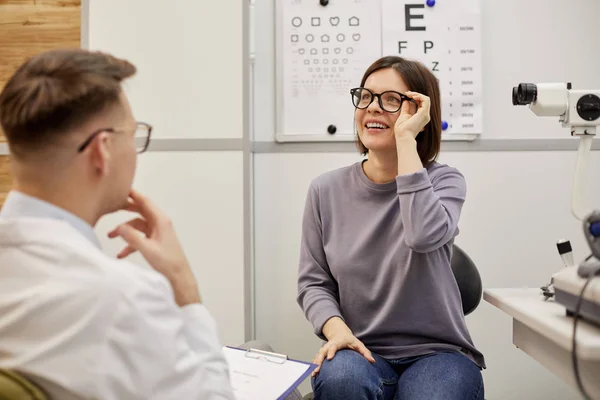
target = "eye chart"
x: 326, y: 49
x: 323, y: 51
x: 445, y: 36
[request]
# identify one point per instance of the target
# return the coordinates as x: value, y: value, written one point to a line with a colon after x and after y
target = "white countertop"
x: 547, y: 318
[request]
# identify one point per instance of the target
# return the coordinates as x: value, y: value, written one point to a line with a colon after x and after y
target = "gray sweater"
x: 378, y: 256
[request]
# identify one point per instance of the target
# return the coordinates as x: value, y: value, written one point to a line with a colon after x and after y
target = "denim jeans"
x: 437, y: 376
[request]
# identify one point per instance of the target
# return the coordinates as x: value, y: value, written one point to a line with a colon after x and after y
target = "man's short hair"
x: 53, y: 92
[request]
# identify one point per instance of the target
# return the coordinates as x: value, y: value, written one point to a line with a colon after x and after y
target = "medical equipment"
x: 578, y: 110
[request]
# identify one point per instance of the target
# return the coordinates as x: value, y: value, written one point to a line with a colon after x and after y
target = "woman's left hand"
x: 413, y: 118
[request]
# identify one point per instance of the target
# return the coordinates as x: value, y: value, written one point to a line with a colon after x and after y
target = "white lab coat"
x: 87, y: 326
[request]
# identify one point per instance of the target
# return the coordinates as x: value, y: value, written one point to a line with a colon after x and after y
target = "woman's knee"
x: 442, y: 376
x: 347, y: 375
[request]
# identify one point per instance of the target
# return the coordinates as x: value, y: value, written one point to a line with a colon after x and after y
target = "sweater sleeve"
x: 317, y: 288
x: 430, y: 208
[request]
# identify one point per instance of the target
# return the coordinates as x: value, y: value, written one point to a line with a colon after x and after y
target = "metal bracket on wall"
x: 488, y: 145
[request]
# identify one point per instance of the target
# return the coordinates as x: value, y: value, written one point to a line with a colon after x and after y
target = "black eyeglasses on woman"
x: 390, y: 100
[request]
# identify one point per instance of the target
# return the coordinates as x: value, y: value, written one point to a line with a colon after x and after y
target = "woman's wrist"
x: 334, y: 325
x: 406, y: 140
x: 408, y: 157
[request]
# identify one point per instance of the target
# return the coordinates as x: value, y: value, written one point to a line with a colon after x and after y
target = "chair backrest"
x: 14, y: 386
x: 468, y: 279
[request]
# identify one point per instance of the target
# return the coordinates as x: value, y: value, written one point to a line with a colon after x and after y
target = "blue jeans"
x: 437, y: 376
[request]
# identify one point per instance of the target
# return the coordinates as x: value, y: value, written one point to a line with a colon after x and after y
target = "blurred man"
x: 77, y: 322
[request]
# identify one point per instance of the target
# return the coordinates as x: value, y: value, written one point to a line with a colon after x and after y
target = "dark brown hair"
x: 55, y: 91
x: 419, y: 79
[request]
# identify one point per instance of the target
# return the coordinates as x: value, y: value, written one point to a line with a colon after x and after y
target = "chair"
x: 468, y: 280
x: 14, y: 386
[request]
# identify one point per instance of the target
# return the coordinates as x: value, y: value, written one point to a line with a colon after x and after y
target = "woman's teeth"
x: 376, y: 125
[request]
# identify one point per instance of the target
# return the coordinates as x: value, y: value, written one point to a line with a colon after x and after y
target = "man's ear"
x: 99, y: 153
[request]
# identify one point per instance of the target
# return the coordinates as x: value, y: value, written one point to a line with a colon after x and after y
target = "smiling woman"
x: 375, y: 277
x: 28, y: 28
x: 375, y: 90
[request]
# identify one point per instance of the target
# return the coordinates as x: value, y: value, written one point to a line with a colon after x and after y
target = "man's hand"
x: 339, y: 337
x: 159, y: 245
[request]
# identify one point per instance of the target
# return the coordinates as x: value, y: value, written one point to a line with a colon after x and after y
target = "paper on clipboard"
x: 257, y: 374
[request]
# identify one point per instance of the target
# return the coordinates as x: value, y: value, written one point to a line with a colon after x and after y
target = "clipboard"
x: 259, y: 374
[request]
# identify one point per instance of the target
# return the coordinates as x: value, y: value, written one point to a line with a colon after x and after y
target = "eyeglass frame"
x: 403, y: 98
x: 114, y: 130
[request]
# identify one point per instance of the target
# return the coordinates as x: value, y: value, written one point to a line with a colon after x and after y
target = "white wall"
x: 190, y: 58
x: 518, y: 203
x: 192, y: 66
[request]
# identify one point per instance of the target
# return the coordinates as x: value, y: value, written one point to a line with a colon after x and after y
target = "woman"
x: 375, y: 277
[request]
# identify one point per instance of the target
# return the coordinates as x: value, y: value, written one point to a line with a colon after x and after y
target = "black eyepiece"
x: 588, y: 107
x: 515, y: 97
x: 524, y: 93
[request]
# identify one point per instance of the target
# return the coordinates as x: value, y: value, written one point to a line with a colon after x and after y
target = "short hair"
x: 419, y: 79
x: 54, y: 91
